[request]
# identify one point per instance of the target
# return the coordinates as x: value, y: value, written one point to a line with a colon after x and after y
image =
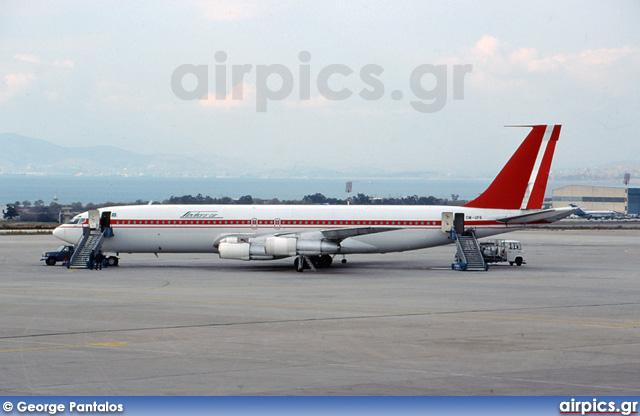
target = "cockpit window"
x: 78, y: 219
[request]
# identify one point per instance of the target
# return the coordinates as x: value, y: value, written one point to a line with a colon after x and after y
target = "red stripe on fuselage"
x: 238, y: 223
x: 283, y: 223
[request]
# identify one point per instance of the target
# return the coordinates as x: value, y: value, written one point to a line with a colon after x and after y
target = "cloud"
x: 241, y: 95
x: 18, y: 80
x: 605, y: 56
x: 32, y: 59
x: 27, y: 58
x: 64, y: 64
x: 500, y: 66
x: 529, y: 59
x: 487, y: 46
x: 588, y: 60
x: 15, y: 84
x: 28, y: 74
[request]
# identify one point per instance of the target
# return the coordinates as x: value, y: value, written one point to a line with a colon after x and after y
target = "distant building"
x: 598, y: 198
x: 65, y: 214
x: 633, y: 202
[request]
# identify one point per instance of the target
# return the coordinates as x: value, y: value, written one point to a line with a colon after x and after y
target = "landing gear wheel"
x: 321, y: 262
x: 112, y: 261
x: 51, y: 261
x: 302, y: 263
x: 326, y: 261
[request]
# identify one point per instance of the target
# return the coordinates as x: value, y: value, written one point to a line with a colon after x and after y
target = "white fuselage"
x: 199, y: 228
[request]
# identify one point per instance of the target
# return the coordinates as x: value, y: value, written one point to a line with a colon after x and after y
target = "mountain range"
x: 21, y: 154
x: 26, y: 155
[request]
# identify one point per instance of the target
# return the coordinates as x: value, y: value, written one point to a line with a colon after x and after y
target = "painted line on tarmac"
x: 95, y: 344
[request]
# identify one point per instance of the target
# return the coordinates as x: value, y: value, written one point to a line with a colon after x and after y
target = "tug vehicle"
x: 497, y: 251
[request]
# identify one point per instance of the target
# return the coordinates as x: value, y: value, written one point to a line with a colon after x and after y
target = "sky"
x: 357, y: 86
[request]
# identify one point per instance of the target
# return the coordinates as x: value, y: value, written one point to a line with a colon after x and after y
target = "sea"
x: 115, y: 189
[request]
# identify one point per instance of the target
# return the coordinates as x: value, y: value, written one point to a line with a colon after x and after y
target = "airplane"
x: 313, y: 235
x: 596, y: 215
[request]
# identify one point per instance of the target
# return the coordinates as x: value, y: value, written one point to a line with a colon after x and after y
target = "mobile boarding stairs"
x: 469, y: 255
x: 93, y: 236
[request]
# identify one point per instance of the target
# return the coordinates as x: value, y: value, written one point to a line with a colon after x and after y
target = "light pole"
x: 627, y: 178
x: 348, y: 190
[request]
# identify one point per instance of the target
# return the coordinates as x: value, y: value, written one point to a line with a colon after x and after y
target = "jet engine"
x: 273, y: 247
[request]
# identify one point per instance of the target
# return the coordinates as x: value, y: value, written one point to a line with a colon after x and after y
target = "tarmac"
x: 566, y: 323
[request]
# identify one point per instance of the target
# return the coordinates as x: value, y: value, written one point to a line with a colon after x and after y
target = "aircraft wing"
x: 343, y: 233
x: 336, y: 234
x: 544, y: 216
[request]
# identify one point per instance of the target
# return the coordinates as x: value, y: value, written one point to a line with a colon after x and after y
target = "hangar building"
x: 598, y: 198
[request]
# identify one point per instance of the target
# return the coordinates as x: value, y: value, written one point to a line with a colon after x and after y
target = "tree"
x: 315, y: 199
x: 225, y: 200
x: 11, y: 212
x: 361, y: 199
x: 47, y: 217
x: 39, y: 203
x: 26, y: 204
x: 245, y: 200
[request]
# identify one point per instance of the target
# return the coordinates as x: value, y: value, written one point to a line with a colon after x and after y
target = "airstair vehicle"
x: 93, y: 236
x: 469, y: 255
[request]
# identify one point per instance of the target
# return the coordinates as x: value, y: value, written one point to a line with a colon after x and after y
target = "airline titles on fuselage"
x: 200, y: 214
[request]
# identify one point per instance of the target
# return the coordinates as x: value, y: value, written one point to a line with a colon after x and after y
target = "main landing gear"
x: 312, y: 262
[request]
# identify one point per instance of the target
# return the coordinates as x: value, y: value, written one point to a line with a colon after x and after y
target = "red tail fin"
x: 522, y: 182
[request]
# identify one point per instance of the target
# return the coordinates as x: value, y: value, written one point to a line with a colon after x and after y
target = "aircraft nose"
x: 59, y: 232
